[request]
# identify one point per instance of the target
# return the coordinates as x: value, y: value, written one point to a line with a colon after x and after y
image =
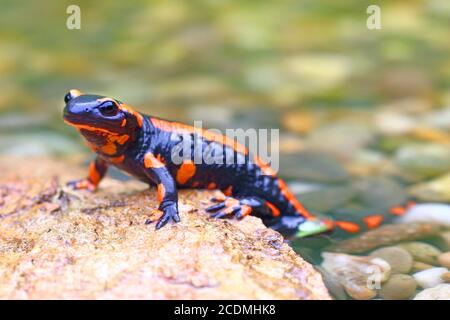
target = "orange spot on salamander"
x: 150, y: 161
x: 347, y: 226
x: 373, y: 221
x: 186, y: 171
x: 211, y: 186
x: 94, y: 175
x: 136, y: 114
x: 246, y: 210
x: 397, y: 211
x: 117, y: 160
x: 161, y: 192
x: 228, y: 191
x: 275, y: 211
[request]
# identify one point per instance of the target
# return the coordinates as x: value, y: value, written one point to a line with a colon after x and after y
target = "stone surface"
x: 313, y: 167
x: 59, y: 243
x: 440, y: 292
x: 399, y: 259
x: 423, y: 160
x: 435, y: 190
x: 398, y: 287
x: 421, y: 251
x: 354, y: 272
x: 333, y: 285
x: 444, y: 259
x: 438, y: 213
x: 430, y: 278
x: 446, y: 277
x: 420, y: 266
x: 385, y: 235
x: 444, y: 237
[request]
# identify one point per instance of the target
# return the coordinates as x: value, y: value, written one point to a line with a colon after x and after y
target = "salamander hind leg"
x: 239, y: 207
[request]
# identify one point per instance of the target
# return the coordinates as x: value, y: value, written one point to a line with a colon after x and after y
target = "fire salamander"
x: 142, y: 146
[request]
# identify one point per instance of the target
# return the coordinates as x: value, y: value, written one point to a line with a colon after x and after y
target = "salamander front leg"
x: 167, y: 190
x: 97, y: 170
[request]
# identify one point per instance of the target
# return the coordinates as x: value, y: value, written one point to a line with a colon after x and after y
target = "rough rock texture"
x: 57, y: 243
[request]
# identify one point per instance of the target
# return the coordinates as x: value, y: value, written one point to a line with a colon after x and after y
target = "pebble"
x: 434, y: 190
x: 446, y: 277
x: 312, y: 167
x: 385, y: 235
x: 390, y: 122
x: 379, y: 192
x: 299, y: 121
x: 444, y: 238
x: 420, y: 266
x: 438, y: 213
x: 424, y: 160
x: 422, y: 252
x: 439, y: 292
x: 398, y: 287
x: 340, y: 139
x: 327, y: 199
x: 353, y: 272
x: 399, y: 259
x: 430, y: 278
x: 333, y: 285
x: 444, y: 259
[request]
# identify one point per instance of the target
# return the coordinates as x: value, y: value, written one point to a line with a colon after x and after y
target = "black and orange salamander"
x: 141, y: 145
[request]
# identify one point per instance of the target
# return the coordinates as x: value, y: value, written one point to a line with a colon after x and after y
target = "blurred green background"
x: 351, y: 102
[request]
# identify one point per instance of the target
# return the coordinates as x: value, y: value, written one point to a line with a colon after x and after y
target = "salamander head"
x: 106, y: 123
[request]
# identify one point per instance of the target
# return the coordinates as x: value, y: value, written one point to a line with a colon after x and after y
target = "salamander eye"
x: 108, y: 109
x: 67, y: 97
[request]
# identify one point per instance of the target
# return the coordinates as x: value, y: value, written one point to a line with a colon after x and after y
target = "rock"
x: 420, y: 266
x: 444, y: 259
x: 438, y: 213
x: 367, y: 162
x: 65, y: 244
x: 444, y: 238
x: 446, y: 277
x: 341, y: 139
x: 423, y: 160
x: 356, y: 273
x: 333, y: 285
x: 421, y: 251
x: 398, y: 287
x: 299, y: 121
x: 385, y: 235
x: 439, y: 292
x: 326, y: 199
x: 430, y: 277
x: 439, y: 119
x: 399, y: 259
x: 313, y: 167
x: 379, y: 193
x: 434, y: 190
x: 431, y: 134
x: 390, y: 122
